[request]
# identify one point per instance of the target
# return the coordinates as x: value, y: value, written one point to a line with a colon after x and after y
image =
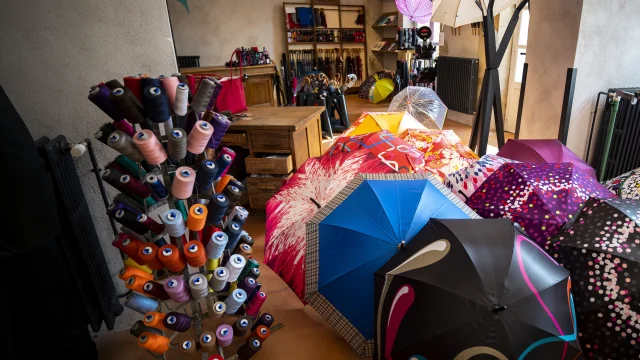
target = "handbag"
x: 232, y: 97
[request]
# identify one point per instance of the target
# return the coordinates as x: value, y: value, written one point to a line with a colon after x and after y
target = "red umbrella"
x: 316, y: 182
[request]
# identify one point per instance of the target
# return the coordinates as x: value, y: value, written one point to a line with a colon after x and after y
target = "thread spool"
x: 123, y: 143
x: 216, y: 246
x: 254, y: 273
x: 170, y: 85
x: 180, y: 206
x: 178, y: 292
x: 155, y: 290
x: 265, y: 319
x: 195, y: 254
x: 199, y: 136
x: 249, y: 265
x: 168, y: 125
x: 256, y: 303
x: 171, y: 258
x: 129, y: 271
x: 150, y: 147
x: 103, y: 132
x: 139, y: 327
x: 256, y: 291
x: 154, y: 319
x: 237, y: 184
x: 208, y: 341
x: 156, y: 103
x: 261, y: 333
x: 238, y: 215
x: 235, y: 300
x: 134, y: 84
x: 189, y: 347
x: 129, y: 219
x: 210, y: 267
x: 181, y: 99
x: 248, y: 285
x: 134, y: 187
x: 128, y: 105
x: 131, y: 263
x: 219, y: 279
x: 150, y: 81
x: 156, y: 186
x: 244, y: 250
x: 198, y: 286
x: 160, y: 242
x: 246, y: 239
x: 130, y: 166
x: 224, y: 335
x: 233, y: 231
x: 177, y: 321
x: 223, y: 161
x: 249, y: 349
x: 150, y: 224
x: 129, y: 246
x: 217, y: 207
x: 149, y: 256
x: 222, y: 183
x: 235, y: 265
x: 161, y: 274
x: 128, y: 202
x: 190, y: 120
x: 205, y: 175
x: 153, y: 342
x: 220, y: 125
x: 100, y: 97
x: 218, y: 309
x: 242, y: 326
x: 182, y: 187
x: 197, y: 217
x: 113, y: 166
x: 135, y: 283
x: 113, y: 84
x: 214, y: 96
x: 232, y: 155
x: 174, y: 223
x: 233, y: 194
x: 177, y: 144
x: 140, y: 303
x: 203, y: 95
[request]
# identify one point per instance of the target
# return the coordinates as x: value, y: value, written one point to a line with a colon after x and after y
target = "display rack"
x: 384, y: 31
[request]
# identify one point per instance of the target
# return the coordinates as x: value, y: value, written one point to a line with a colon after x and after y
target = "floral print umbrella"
x: 626, y: 186
x: 601, y: 250
x: 316, y: 182
x: 444, y: 151
x: 541, y: 198
x: 466, y: 181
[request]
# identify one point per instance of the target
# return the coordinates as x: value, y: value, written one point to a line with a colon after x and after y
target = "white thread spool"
x: 182, y: 98
x: 235, y: 265
x: 215, y: 247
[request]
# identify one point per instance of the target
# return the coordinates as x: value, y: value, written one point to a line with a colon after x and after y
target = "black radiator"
x: 624, y: 155
x: 458, y: 83
x: 188, y: 61
x: 79, y: 241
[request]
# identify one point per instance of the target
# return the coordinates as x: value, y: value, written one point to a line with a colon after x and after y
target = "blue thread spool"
x: 156, y: 104
x: 233, y: 302
x: 216, y: 208
x: 141, y: 304
x: 223, y: 162
x: 233, y: 231
x: 205, y: 175
x: 174, y: 223
x: 236, y: 183
x: 160, y: 242
x: 156, y: 186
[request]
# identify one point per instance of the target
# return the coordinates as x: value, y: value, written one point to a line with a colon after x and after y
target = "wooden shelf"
x: 385, y: 26
x: 384, y: 52
x: 301, y: 43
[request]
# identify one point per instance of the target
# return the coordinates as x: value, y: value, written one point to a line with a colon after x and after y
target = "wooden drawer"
x: 265, y: 185
x: 258, y: 165
x: 270, y: 141
x: 234, y: 139
x: 259, y: 201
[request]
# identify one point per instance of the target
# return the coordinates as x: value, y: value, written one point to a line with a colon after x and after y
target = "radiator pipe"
x: 593, y: 124
x: 615, y: 105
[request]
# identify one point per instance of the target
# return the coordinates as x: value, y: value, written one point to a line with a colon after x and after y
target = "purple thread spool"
x: 178, y: 292
x: 100, y: 97
x: 265, y: 319
x: 220, y: 125
x: 248, y: 285
x: 214, y: 96
x: 177, y: 321
x: 224, y: 334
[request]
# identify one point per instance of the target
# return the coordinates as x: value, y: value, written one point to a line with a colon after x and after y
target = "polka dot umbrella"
x: 626, y: 186
x: 416, y: 10
x: 601, y: 250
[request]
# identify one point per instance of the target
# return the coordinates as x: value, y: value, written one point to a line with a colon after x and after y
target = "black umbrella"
x: 463, y: 288
x: 601, y: 250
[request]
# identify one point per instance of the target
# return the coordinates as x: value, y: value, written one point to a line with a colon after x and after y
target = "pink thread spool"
x: 177, y: 290
x: 150, y: 147
x: 199, y: 137
x: 125, y: 127
x: 170, y: 84
x: 256, y: 303
x: 182, y: 187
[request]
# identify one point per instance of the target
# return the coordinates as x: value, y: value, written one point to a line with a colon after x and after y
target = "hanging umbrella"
x: 601, y: 250
x: 466, y: 181
x: 416, y: 10
x: 316, y: 182
x: 467, y: 288
x: 541, y: 198
x: 381, y: 90
x: 443, y: 150
x: 456, y: 13
x: 394, y: 122
x: 390, y: 149
x: 363, y: 227
x: 423, y: 104
x: 543, y: 151
x: 626, y: 186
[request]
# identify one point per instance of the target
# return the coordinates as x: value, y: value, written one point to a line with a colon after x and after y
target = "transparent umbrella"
x: 423, y: 104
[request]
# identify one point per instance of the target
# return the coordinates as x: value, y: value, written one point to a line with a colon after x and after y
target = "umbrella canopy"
x: 456, y: 13
x: 467, y: 288
x: 394, y: 122
x: 381, y: 89
x: 423, y: 104
x: 541, y: 198
x: 626, y: 186
x: 390, y: 149
x: 543, y: 151
x: 416, y: 10
x: 444, y: 151
x: 365, y: 225
x: 466, y: 181
x: 601, y: 250
x: 317, y: 181
x: 370, y: 81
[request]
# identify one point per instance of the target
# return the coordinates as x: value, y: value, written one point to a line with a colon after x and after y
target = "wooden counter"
x: 293, y: 134
x: 258, y: 86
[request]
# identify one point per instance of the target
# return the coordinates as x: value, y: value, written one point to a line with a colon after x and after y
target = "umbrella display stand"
x: 490, y: 94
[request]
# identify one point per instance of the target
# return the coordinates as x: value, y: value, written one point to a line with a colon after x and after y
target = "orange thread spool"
x: 171, y: 258
x: 197, y: 217
x: 195, y: 253
x: 155, y: 343
x: 261, y: 333
x: 182, y: 186
x: 131, y: 247
x: 154, y: 319
x: 129, y: 271
x: 222, y: 184
x: 149, y: 256
x: 136, y: 283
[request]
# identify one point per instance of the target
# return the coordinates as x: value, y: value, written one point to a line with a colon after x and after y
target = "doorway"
x: 518, y: 58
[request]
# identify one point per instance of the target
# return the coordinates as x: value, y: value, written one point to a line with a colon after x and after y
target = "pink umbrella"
x: 417, y: 10
x: 543, y: 151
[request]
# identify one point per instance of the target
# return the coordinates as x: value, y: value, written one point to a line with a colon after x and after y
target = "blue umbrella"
x: 361, y: 229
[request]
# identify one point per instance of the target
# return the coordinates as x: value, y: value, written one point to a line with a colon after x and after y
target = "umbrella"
x: 370, y: 81
x: 456, y: 13
x: 423, y: 104
x: 626, y: 186
x: 601, y: 250
x: 416, y: 10
x: 467, y: 288
x: 541, y: 198
x: 466, y: 181
x: 363, y: 227
x: 392, y: 150
x: 316, y: 182
x: 381, y: 89
x: 394, y: 122
x: 543, y: 151
x: 444, y: 151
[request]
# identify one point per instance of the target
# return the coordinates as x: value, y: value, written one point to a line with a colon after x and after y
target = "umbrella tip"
x: 402, y: 245
x: 315, y: 202
x: 496, y: 309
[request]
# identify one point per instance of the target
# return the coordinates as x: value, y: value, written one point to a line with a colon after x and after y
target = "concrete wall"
x: 51, y: 52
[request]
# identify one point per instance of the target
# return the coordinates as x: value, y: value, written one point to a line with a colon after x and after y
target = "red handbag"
x: 232, y: 97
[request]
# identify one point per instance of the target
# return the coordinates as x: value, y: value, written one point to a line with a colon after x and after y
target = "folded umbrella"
x: 473, y: 288
x: 626, y: 186
x: 601, y: 250
x: 365, y: 225
x: 466, y: 181
x: 423, y: 104
x: 315, y: 183
x: 543, y: 151
x: 394, y: 122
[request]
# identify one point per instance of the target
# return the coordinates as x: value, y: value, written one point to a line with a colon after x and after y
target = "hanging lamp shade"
x: 416, y: 10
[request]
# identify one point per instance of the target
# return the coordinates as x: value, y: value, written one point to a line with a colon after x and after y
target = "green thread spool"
x: 251, y: 264
x: 131, y: 166
x: 182, y: 208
